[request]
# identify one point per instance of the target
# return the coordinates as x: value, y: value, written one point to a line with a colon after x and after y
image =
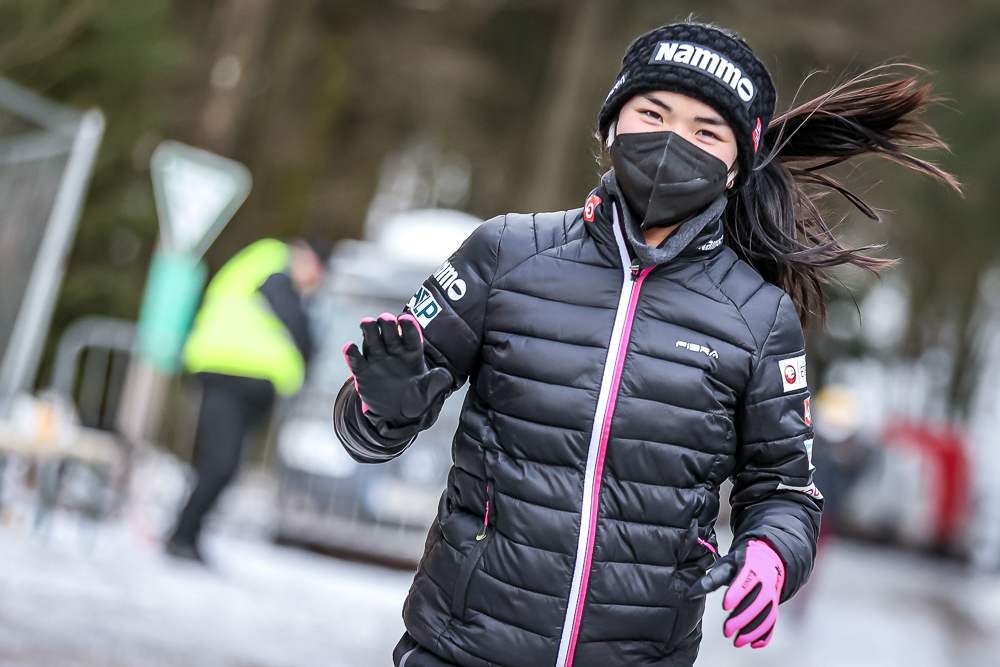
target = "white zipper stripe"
x: 406, y: 656
x: 607, y: 380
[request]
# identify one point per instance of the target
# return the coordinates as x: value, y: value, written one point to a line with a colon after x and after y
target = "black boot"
x: 183, y: 550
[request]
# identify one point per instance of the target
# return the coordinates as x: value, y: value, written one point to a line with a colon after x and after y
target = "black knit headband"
x: 704, y: 63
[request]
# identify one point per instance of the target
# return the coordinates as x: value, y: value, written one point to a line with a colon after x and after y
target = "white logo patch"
x: 618, y: 84
x: 423, y: 306
x: 447, y: 278
x: 708, y: 62
x: 809, y: 453
x: 694, y: 347
x: 810, y: 490
x: 711, y: 245
x: 793, y: 373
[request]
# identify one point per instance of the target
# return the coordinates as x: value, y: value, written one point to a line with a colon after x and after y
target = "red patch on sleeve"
x: 593, y: 201
x: 807, y: 413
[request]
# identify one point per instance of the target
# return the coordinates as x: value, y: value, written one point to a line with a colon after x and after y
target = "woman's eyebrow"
x: 657, y: 102
x: 711, y: 120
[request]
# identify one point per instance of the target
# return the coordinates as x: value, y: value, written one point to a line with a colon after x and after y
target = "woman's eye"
x: 653, y: 115
x: 708, y: 134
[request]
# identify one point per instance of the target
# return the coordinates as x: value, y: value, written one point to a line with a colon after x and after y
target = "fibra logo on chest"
x: 694, y: 347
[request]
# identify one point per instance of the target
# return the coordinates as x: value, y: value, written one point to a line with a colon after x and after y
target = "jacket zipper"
x: 715, y: 554
x: 632, y: 279
x: 486, y: 517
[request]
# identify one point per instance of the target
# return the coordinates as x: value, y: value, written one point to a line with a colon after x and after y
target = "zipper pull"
x: 486, y: 518
x: 635, y: 269
x: 715, y: 554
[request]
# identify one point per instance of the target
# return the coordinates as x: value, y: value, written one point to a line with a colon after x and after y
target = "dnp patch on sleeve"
x: 793, y: 373
x: 423, y: 306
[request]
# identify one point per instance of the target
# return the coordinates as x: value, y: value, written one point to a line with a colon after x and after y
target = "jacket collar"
x: 698, y: 238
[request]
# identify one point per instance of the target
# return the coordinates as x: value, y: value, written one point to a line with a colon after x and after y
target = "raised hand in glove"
x: 391, y: 376
x: 755, y: 575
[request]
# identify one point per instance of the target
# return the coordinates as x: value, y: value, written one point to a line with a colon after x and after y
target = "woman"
x: 625, y: 359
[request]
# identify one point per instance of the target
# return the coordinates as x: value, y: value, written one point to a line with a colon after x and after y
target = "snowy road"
x: 260, y: 606
x: 124, y: 604
x: 875, y: 607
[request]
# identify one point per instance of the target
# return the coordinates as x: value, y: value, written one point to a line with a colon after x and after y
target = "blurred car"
x: 916, y: 492
x: 325, y: 498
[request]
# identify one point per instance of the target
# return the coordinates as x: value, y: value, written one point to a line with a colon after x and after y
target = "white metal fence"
x: 47, y: 155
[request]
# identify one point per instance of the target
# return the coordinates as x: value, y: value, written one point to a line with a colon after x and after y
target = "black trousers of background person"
x: 230, y: 407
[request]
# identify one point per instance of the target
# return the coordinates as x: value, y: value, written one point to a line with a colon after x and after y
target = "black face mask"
x: 664, y: 178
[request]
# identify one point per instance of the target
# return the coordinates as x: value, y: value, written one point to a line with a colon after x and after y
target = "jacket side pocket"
x: 689, y: 611
x: 483, y: 538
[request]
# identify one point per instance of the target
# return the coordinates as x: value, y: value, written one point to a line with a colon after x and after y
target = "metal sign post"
x: 196, y: 194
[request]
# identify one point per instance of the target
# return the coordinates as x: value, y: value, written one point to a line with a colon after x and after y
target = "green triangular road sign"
x: 197, y: 193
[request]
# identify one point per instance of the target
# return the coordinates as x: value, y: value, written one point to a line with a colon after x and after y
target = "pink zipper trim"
x: 486, y: 518
x: 707, y: 546
x: 605, y: 433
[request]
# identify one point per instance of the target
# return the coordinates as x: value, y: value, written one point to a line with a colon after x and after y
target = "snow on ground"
x: 122, y: 603
x: 75, y: 596
x: 125, y: 604
x: 872, y: 606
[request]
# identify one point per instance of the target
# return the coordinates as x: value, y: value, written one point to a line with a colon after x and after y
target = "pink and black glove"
x: 755, y: 575
x: 391, y: 376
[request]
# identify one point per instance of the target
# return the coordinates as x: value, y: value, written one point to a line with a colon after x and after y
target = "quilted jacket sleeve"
x: 774, y: 498
x: 450, y: 307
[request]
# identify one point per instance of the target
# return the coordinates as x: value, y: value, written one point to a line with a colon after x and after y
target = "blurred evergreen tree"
x: 148, y: 66
x: 118, y: 55
x: 945, y: 242
x: 329, y: 88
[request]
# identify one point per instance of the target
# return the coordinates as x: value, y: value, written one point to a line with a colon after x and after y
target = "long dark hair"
x: 774, y: 222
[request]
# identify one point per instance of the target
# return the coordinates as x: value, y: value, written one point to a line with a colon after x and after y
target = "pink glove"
x: 753, y: 595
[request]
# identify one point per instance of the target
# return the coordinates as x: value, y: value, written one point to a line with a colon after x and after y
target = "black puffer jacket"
x: 614, y: 387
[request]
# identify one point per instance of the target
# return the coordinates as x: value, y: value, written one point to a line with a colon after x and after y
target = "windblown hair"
x: 774, y: 221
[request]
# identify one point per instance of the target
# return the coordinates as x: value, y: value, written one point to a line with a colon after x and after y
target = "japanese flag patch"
x: 793, y: 373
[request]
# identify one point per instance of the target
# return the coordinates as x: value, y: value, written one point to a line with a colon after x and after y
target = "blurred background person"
x: 250, y: 340
x: 841, y: 452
